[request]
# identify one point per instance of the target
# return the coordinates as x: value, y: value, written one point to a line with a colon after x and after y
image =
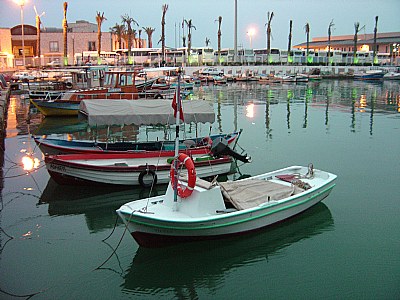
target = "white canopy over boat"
x: 143, y: 112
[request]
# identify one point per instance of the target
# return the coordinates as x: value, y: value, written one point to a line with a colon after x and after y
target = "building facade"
x: 385, y: 42
x: 81, y: 39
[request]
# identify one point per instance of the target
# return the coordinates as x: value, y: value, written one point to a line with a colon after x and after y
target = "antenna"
x: 39, y: 16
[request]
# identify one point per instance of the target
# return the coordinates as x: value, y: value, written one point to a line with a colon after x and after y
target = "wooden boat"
x: 370, y: 75
x: 130, y: 169
x: 118, y: 85
x: 391, y: 76
x: 218, y: 210
x: 52, y: 146
x: 147, y: 167
x: 56, y: 108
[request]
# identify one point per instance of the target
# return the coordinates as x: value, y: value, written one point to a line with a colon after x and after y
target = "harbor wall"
x: 274, y: 69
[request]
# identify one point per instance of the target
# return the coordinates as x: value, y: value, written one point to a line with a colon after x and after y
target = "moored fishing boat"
x: 53, y: 146
x: 370, y: 75
x: 142, y: 168
x: 197, y: 210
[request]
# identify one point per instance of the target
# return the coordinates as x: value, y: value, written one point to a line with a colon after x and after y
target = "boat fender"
x: 191, y: 182
x: 68, y: 85
x: 147, y: 183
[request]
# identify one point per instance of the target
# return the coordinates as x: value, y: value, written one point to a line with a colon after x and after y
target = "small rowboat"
x: 224, y: 209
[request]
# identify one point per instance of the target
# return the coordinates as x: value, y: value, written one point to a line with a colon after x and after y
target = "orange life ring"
x: 189, y: 164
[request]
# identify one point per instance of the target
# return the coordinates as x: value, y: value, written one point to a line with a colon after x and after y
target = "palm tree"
x: 164, y: 11
x: 375, y: 61
x: 219, y: 38
x: 189, y: 26
x: 140, y: 37
x: 128, y: 21
x: 290, y: 41
x: 307, y: 29
x: 65, y: 34
x: 329, y: 40
x: 183, y: 33
x: 118, y: 30
x: 149, y: 31
x: 356, y: 31
x: 99, y: 19
x: 269, y: 18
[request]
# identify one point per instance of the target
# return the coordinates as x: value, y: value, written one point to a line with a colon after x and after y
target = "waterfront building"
x: 82, y: 37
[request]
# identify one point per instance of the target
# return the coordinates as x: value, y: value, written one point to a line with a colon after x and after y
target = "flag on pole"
x: 175, y: 107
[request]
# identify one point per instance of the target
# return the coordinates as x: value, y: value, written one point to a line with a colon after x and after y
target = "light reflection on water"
x: 348, y: 128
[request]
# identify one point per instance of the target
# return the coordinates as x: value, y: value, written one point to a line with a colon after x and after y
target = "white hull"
x: 126, y: 172
x: 151, y: 219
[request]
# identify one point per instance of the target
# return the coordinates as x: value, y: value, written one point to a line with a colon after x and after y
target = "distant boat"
x: 392, y: 76
x: 370, y: 75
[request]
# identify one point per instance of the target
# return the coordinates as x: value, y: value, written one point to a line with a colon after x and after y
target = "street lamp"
x: 21, y: 3
x: 250, y: 33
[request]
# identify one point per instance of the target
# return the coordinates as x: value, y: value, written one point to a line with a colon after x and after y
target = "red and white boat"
x: 130, y: 169
x: 140, y: 168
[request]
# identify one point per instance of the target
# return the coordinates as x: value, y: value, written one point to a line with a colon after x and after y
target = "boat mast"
x: 177, y: 120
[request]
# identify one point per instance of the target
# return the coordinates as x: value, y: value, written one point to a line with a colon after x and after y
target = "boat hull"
x: 56, y: 146
x: 150, y: 231
x: 125, y: 169
x: 56, y: 108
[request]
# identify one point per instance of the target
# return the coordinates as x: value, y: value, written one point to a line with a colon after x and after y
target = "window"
x: 54, y: 47
x: 92, y: 46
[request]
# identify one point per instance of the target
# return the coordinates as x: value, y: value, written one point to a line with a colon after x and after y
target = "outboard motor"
x: 220, y: 147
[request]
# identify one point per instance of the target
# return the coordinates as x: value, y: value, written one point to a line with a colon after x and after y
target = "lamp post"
x: 21, y: 3
x: 250, y: 33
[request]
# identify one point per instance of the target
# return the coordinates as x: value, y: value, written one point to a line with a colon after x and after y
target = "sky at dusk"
x: 204, y: 13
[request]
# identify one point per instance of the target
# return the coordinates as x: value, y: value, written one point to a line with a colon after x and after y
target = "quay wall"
x: 4, y: 97
x: 274, y: 69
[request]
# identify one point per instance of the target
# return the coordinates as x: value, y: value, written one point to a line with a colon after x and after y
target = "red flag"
x: 175, y: 107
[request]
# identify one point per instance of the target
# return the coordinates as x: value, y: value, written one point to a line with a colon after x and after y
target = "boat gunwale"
x: 315, y: 193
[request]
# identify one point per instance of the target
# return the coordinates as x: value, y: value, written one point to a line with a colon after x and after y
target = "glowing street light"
x: 250, y: 33
x: 21, y: 3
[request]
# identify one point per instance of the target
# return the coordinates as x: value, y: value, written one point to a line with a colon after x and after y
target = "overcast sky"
x: 203, y: 13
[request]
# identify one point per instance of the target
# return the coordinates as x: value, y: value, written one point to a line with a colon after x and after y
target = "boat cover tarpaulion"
x: 143, y: 112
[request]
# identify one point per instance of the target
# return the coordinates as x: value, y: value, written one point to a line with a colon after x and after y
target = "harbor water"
x: 65, y: 242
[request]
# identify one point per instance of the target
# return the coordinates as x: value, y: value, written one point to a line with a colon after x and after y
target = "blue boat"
x: 370, y: 75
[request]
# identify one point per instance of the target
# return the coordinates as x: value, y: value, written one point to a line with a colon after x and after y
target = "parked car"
x: 22, y: 75
x: 54, y: 63
x: 211, y: 71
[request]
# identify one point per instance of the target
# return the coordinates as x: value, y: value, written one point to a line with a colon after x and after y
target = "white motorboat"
x: 216, y: 210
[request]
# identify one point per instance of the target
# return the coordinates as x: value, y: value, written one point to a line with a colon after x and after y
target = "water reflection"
x: 188, y: 267
x: 97, y: 204
x: 356, y: 97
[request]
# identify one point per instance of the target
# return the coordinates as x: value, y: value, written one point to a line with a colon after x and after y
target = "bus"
x: 227, y: 56
x: 205, y: 55
x: 91, y: 58
x: 261, y: 56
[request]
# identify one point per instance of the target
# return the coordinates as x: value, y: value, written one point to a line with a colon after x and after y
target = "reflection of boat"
x: 51, y: 146
x: 97, y: 204
x: 60, y: 125
x: 197, y: 268
x: 201, y: 210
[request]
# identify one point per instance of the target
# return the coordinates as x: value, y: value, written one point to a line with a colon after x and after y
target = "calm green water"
x: 348, y: 247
